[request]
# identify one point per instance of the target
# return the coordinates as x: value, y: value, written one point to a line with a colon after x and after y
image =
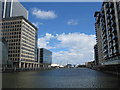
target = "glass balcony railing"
x: 103, y: 28
x: 109, y: 22
x: 111, y: 5
x: 112, y: 17
x: 104, y: 46
x: 114, y: 30
x: 114, y: 38
x: 109, y: 33
x: 111, y: 53
x: 115, y: 51
x: 115, y: 44
x: 104, y: 36
x: 111, y: 46
x: 107, y: 10
x: 110, y: 39
x: 109, y: 28
x: 108, y: 16
x: 113, y: 23
x: 111, y: 11
x: 107, y: 5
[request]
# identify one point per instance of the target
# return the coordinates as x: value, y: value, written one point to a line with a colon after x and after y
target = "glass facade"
x: 44, y: 56
x: 13, y: 8
x: 3, y: 51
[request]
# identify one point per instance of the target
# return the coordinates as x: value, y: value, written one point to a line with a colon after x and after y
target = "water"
x: 60, y: 78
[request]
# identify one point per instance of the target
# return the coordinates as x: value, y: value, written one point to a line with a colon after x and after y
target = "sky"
x: 65, y: 28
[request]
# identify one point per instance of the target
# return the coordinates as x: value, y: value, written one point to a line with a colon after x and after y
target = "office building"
x: 21, y: 36
x: 3, y: 52
x: 11, y: 8
x: 108, y: 33
x: 44, y: 56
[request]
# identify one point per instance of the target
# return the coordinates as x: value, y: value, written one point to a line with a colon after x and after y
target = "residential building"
x: 44, y: 57
x: 11, y: 8
x: 96, y: 54
x: 21, y: 36
x: 108, y: 33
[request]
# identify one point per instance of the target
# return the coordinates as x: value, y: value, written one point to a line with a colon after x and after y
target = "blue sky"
x: 67, y: 29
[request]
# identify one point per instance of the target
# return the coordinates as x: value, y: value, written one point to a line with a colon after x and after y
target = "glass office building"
x: 3, y: 52
x: 44, y: 56
x: 11, y: 8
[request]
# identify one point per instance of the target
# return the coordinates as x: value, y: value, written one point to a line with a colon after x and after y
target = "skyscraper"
x: 108, y: 32
x: 11, y: 8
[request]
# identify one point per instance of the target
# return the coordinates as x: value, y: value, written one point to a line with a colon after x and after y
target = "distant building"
x: 90, y: 64
x: 21, y: 36
x: 69, y: 65
x: 108, y: 33
x: 11, y: 8
x: 44, y: 56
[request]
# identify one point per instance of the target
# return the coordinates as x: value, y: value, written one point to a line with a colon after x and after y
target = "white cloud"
x: 44, y: 14
x: 72, y: 22
x: 79, y: 47
x: 44, y: 41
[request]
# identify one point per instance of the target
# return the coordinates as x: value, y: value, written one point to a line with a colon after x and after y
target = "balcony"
x: 105, y: 51
x: 105, y: 56
x: 107, y: 10
x: 103, y: 24
x: 104, y: 46
x: 112, y: 17
x: 102, y: 20
x: 103, y: 16
x: 111, y: 46
x: 104, y: 35
x: 111, y: 11
x: 105, y: 40
x: 113, y: 23
x: 107, y: 5
x: 115, y: 51
x: 109, y: 22
x: 109, y: 33
x: 103, y: 29
x: 110, y: 39
x: 114, y: 38
x: 111, y: 53
x: 114, y: 30
x: 109, y: 28
x: 111, y: 5
x: 115, y: 44
x: 103, y: 32
x: 108, y: 16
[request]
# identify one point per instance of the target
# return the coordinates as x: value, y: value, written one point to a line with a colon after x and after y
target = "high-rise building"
x: 11, y: 8
x: 21, y: 36
x: 44, y: 56
x: 98, y: 47
x: 96, y: 54
x: 108, y: 32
